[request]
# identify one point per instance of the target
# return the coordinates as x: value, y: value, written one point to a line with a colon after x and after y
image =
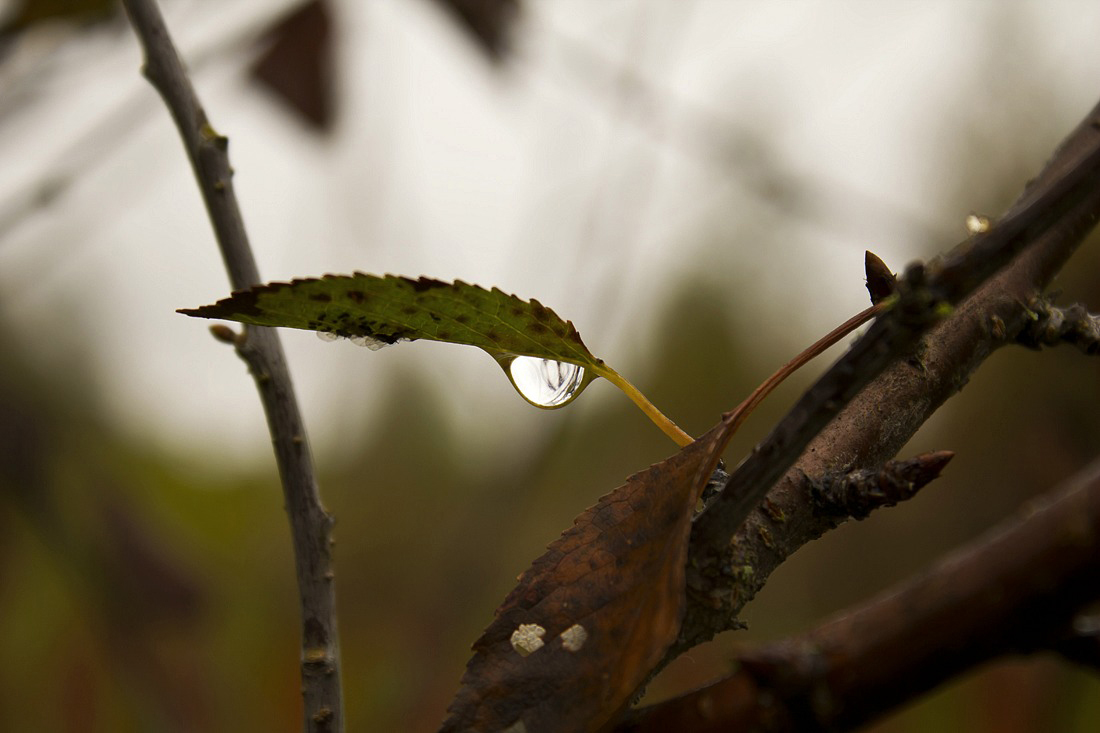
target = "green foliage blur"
x: 139, y: 592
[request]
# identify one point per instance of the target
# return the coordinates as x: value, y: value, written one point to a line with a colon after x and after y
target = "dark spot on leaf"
x: 357, y: 296
x: 321, y: 297
x: 445, y: 335
x: 425, y: 283
x: 410, y: 310
x: 537, y: 328
x: 462, y: 318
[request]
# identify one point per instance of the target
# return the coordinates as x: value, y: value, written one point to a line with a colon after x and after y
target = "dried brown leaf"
x: 298, y: 64
x: 592, y: 617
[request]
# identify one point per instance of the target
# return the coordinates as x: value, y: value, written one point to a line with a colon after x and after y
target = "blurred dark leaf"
x: 146, y: 582
x: 489, y: 23
x: 30, y: 13
x: 298, y: 65
x: 591, y: 618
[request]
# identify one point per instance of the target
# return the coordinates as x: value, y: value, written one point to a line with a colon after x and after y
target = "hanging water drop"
x: 369, y: 342
x: 544, y: 382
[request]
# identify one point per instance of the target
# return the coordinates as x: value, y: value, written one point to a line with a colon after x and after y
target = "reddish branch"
x: 1013, y: 590
x: 910, y: 366
x: 261, y: 350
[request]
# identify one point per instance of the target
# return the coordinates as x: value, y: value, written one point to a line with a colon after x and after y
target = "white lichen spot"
x: 976, y: 223
x: 527, y: 638
x: 573, y: 638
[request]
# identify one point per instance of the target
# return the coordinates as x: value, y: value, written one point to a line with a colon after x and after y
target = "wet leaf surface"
x: 392, y: 308
x: 590, y: 619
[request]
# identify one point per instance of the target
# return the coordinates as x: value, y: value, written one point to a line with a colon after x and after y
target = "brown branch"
x: 1080, y: 644
x: 907, y: 377
x: 260, y: 348
x: 856, y: 494
x: 1013, y: 590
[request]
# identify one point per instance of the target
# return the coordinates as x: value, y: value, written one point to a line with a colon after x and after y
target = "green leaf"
x: 392, y: 308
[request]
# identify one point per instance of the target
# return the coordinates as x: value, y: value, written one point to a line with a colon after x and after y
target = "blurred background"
x: 692, y: 183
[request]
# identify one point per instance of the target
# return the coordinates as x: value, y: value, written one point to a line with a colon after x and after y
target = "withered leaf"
x: 489, y: 23
x: 298, y: 64
x: 591, y: 618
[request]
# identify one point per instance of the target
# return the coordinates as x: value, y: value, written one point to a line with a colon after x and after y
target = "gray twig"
x: 261, y: 350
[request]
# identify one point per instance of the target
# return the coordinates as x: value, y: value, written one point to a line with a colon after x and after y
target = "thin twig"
x: 1013, y: 590
x: 261, y: 350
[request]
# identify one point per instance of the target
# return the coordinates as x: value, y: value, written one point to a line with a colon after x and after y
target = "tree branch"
x: 262, y: 352
x: 907, y: 377
x: 1014, y: 590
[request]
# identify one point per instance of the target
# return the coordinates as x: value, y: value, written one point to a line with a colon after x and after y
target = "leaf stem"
x: 742, y: 411
x: 669, y: 428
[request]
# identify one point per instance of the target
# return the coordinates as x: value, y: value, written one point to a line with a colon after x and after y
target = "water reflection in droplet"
x: 544, y: 382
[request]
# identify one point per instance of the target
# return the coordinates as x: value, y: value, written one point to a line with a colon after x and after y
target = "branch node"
x: 858, y: 493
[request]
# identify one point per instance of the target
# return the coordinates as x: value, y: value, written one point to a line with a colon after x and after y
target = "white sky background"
x: 557, y: 178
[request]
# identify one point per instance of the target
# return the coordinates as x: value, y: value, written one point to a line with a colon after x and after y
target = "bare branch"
x: 907, y: 377
x: 1013, y: 590
x: 261, y: 350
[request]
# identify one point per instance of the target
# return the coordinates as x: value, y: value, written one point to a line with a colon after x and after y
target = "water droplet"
x: 369, y: 342
x: 977, y: 223
x: 544, y: 383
